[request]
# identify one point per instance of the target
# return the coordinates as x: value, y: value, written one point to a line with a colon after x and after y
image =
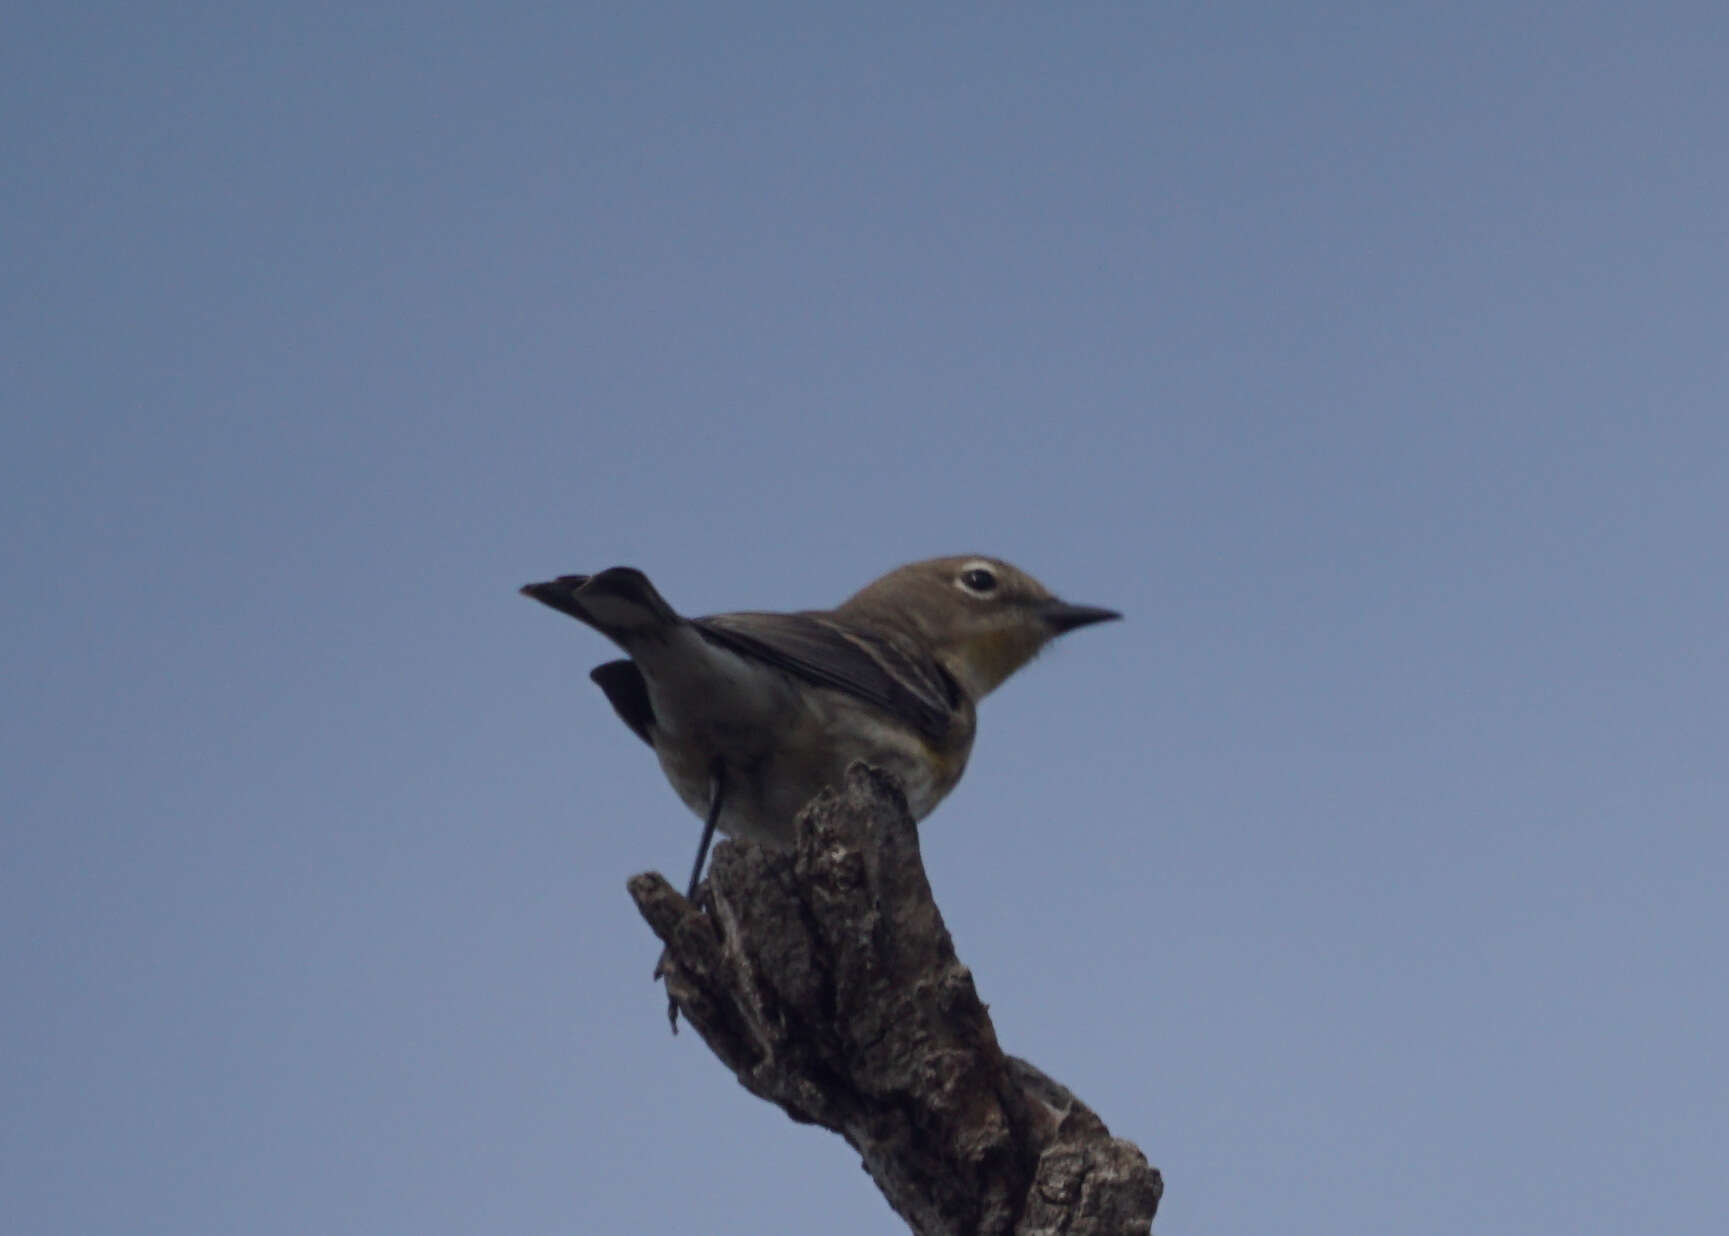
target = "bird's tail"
x: 619, y: 602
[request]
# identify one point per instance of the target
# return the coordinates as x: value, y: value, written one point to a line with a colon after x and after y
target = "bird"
x: 753, y: 714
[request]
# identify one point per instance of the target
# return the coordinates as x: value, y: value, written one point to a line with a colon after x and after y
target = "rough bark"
x: 824, y: 978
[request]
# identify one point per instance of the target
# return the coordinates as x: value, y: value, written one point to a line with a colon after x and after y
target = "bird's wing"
x: 624, y: 687
x: 877, y: 669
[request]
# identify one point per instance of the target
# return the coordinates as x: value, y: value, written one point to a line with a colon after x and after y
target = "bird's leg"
x: 716, y: 796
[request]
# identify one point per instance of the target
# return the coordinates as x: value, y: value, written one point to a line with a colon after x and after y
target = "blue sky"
x: 1370, y: 359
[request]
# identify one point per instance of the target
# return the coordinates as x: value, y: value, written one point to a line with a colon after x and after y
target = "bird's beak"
x: 1062, y: 617
x: 559, y: 594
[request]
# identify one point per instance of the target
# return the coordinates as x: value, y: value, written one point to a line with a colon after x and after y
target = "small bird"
x: 752, y: 714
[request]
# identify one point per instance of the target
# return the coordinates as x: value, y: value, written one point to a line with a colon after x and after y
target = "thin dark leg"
x: 716, y: 796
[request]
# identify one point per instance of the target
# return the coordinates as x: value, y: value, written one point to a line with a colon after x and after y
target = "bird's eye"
x: 979, y: 580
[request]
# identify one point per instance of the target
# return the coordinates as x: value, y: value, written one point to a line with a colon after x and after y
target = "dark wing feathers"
x: 875, y: 668
x: 624, y: 687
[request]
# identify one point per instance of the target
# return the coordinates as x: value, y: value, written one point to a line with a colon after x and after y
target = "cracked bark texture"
x: 824, y: 978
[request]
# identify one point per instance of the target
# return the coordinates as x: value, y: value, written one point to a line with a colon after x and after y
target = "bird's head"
x: 981, y: 617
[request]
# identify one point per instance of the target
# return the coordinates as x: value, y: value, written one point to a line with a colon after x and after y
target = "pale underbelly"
x: 763, y: 792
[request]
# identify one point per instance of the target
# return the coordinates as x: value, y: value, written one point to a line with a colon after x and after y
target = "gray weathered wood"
x: 824, y: 978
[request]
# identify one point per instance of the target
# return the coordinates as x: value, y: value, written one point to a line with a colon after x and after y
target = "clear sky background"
x: 1372, y: 359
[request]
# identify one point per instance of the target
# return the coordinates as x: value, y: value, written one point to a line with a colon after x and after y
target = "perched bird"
x: 752, y: 714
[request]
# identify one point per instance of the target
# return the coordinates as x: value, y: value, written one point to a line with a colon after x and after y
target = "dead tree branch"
x: 825, y: 979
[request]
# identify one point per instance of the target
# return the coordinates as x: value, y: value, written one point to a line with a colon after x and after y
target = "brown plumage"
x: 752, y: 714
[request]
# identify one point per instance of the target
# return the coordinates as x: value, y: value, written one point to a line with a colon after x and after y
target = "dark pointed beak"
x: 559, y: 594
x: 1061, y: 617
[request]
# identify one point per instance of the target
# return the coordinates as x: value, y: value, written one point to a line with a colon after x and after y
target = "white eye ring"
x: 979, y: 578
